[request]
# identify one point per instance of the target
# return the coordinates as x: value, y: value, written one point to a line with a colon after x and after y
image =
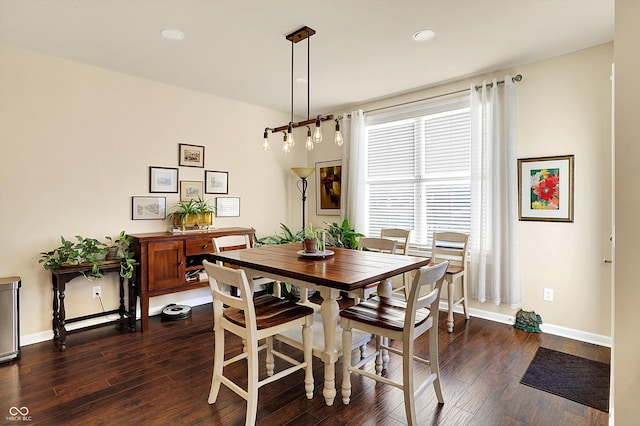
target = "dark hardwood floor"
x: 162, y: 377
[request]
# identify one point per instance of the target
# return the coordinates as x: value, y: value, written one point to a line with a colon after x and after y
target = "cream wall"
x: 76, y: 143
x: 563, y: 107
x: 626, y: 343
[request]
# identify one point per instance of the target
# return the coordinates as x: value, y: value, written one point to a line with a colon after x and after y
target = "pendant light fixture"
x: 313, y: 136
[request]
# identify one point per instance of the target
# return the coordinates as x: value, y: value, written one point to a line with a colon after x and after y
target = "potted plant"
x: 119, y: 249
x: 192, y: 214
x: 310, y: 239
x: 341, y: 235
x: 87, y: 251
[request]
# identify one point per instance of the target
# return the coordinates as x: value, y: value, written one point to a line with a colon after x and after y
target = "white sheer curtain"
x: 494, y: 273
x: 353, y: 170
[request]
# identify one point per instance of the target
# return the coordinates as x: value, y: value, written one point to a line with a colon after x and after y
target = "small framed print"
x: 328, y: 187
x: 216, y: 182
x: 191, y: 155
x: 163, y: 179
x: 148, y: 208
x: 227, y: 206
x: 190, y: 190
x: 545, y: 189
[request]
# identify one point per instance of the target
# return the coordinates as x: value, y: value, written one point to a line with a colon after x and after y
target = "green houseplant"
x: 119, y: 249
x: 341, y: 235
x: 192, y: 214
x: 311, y: 239
x: 85, y: 251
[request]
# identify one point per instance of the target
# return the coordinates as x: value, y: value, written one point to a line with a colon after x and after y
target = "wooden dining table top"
x: 345, y: 270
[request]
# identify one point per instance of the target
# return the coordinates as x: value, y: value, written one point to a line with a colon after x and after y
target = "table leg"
x: 385, y: 289
x: 55, y: 322
x: 62, y: 342
x: 121, y: 309
x: 133, y: 297
x: 329, y: 312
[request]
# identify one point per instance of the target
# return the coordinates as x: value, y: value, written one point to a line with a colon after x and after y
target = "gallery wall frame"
x: 148, y: 208
x: 545, y: 188
x: 190, y: 190
x: 328, y: 188
x: 163, y: 179
x: 191, y: 155
x: 216, y: 182
x: 227, y: 206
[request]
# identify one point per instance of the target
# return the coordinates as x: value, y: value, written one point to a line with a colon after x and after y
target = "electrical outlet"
x: 548, y: 294
x: 97, y: 291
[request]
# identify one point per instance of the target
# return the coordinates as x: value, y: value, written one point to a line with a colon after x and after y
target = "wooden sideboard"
x: 166, y: 259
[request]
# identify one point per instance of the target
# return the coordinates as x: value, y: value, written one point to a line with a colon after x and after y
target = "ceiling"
x: 362, y: 49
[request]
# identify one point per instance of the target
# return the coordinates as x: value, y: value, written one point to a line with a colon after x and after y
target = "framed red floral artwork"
x: 545, y: 188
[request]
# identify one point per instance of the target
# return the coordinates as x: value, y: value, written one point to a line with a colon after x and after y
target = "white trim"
x: 43, y: 336
x: 556, y: 330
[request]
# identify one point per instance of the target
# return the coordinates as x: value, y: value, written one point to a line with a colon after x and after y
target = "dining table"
x: 331, y: 271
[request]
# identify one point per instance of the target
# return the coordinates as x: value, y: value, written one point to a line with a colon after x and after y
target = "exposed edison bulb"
x: 265, y: 141
x: 338, y: 140
x: 285, y: 144
x: 309, y: 143
x: 317, y: 132
x: 290, y: 140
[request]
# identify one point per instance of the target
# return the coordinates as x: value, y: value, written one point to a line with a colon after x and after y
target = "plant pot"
x: 193, y: 221
x: 113, y: 253
x: 310, y: 245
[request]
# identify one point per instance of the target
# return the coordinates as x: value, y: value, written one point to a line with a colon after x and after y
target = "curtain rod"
x: 515, y: 79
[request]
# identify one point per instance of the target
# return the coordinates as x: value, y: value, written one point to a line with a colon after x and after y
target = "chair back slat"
x: 400, y: 235
x: 219, y: 275
x: 381, y: 245
x: 433, y: 277
x: 230, y: 242
x: 450, y: 246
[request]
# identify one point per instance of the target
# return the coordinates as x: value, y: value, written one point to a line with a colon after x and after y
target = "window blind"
x: 419, y: 169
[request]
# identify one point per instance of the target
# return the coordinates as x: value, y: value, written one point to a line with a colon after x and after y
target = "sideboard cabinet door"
x: 166, y: 265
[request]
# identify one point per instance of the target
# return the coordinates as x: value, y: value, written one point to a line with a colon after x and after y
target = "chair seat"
x: 384, y: 312
x: 452, y: 269
x: 270, y: 312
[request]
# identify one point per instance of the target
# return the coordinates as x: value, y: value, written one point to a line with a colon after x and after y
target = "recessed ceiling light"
x: 423, y: 35
x: 302, y: 80
x: 172, y: 34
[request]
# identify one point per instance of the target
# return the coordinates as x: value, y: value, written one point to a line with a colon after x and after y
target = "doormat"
x: 579, y: 379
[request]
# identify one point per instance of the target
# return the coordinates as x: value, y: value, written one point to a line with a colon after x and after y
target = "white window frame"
x: 421, y: 230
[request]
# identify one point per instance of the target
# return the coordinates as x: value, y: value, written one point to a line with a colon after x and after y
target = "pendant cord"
x: 291, y: 82
x: 308, y: 78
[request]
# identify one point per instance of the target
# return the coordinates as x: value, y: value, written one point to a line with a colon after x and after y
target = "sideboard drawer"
x: 199, y: 246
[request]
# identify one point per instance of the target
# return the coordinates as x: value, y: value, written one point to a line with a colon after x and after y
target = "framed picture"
x: 216, y: 182
x: 148, y: 208
x: 227, y: 206
x: 191, y: 155
x: 545, y: 189
x: 190, y: 190
x: 328, y: 193
x: 163, y: 179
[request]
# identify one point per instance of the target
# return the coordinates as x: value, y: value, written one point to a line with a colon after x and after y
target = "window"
x: 419, y: 170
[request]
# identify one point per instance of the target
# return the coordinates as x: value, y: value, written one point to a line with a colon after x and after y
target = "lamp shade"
x: 303, y: 172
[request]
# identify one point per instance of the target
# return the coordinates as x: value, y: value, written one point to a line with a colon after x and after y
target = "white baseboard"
x: 29, y: 339
x: 556, y: 330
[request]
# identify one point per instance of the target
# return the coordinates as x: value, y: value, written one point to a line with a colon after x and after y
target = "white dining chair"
x: 452, y: 246
x: 253, y: 320
x: 391, y: 319
x: 237, y: 242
